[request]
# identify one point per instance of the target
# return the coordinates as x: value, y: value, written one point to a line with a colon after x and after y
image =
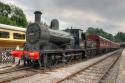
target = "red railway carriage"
x: 101, y: 43
x: 115, y: 45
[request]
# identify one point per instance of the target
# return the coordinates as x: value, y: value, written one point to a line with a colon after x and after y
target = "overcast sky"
x: 106, y: 14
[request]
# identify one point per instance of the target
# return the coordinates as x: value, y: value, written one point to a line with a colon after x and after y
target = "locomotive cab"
x: 79, y: 37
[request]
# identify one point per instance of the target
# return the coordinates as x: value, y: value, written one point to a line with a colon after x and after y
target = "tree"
x: 120, y: 37
x: 99, y: 31
x: 19, y: 17
x: 5, y: 10
x: 12, y: 15
x: 90, y: 30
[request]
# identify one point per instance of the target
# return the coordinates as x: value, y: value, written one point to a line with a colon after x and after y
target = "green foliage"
x: 100, y: 32
x: 5, y: 20
x: 120, y: 37
x: 12, y: 15
x: 5, y: 10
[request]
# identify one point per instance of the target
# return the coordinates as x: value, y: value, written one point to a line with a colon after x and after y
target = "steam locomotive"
x: 48, y: 46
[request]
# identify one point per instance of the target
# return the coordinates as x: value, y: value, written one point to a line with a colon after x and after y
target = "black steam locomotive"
x: 47, y: 46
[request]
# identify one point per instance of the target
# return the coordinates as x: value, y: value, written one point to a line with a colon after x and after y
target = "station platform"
x: 121, y: 74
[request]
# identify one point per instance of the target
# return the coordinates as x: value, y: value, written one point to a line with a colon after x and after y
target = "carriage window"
x: 4, y: 34
x: 18, y: 36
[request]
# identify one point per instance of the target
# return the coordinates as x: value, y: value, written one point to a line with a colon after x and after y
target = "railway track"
x: 62, y: 73
x: 22, y: 72
x: 16, y: 73
x: 5, y: 68
x: 112, y: 75
x: 93, y: 73
x: 12, y: 69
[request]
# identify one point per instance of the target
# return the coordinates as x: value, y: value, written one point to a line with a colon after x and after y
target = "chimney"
x: 37, y: 16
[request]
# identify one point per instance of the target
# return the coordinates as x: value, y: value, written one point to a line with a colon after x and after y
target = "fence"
x: 5, y: 56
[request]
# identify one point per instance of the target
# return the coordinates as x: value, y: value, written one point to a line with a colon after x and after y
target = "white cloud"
x: 76, y: 14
